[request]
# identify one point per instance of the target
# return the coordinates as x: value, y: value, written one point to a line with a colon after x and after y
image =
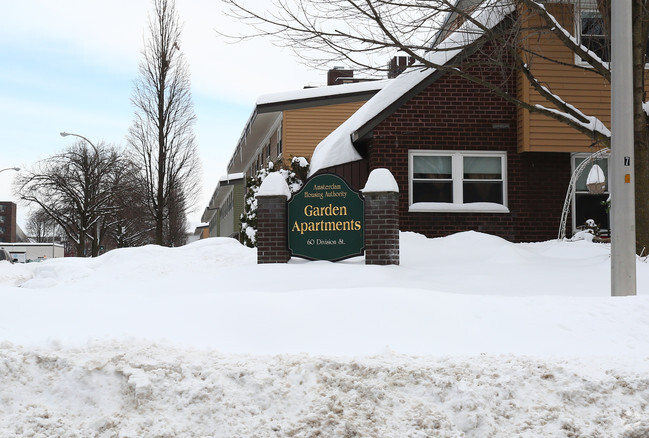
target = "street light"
x: 65, y: 134
x: 10, y: 168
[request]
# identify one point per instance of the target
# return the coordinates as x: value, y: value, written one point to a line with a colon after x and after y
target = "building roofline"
x: 363, y: 131
x: 312, y: 102
x: 339, y: 146
x: 306, y: 98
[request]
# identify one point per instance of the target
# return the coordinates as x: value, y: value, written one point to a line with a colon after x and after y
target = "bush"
x: 295, y: 176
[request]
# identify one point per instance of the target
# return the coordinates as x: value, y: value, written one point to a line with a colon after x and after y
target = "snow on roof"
x: 337, y: 148
x: 312, y: 93
x: 198, y: 229
x: 292, y: 97
x: 219, y: 194
x: 232, y: 176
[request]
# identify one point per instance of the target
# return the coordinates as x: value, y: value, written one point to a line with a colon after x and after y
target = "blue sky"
x: 70, y: 65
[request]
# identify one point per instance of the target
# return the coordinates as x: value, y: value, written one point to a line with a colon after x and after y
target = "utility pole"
x: 622, y: 181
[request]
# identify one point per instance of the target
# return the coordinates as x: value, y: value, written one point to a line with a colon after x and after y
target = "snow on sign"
x: 326, y: 220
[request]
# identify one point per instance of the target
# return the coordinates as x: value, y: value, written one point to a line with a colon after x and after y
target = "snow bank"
x: 469, y: 336
x: 108, y: 390
x: 13, y: 274
x: 468, y: 294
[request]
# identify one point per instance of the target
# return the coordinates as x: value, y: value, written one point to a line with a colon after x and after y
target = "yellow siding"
x: 584, y: 89
x: 303, y: 129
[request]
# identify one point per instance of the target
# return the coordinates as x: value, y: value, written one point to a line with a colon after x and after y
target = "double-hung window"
x: 593, y: 34
x: 457, y: 181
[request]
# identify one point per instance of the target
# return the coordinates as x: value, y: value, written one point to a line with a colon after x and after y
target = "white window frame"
x: 457, y: 175
x: 578, y: 12
x: 587, y: 6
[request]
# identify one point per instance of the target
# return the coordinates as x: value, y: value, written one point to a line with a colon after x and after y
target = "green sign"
x: 326, y: 220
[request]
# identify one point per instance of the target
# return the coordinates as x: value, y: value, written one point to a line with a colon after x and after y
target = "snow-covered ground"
x: 471, y: 336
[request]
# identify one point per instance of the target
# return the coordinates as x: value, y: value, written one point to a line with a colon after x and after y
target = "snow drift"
x: 470, y: 336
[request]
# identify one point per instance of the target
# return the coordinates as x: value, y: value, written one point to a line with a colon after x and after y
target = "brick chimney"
x: 398, y: 64
x: 337, y: 75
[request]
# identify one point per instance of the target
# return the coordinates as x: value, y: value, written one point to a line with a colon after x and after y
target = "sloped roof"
x: 338, y: 147
x: 218, y: 196
x: 323, y: 95
x: 269, y: 107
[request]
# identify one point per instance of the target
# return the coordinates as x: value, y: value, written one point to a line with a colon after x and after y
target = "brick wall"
x: 455, y: 114
x: 8, y: 222
x: 272, y: 243
x: 381, y: 228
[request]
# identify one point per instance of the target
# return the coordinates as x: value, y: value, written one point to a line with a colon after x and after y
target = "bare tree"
x: 358, y: 32
x: 73, y: 190
x: 162, y: 136
x: 129, y: 223
x: 41, y: 227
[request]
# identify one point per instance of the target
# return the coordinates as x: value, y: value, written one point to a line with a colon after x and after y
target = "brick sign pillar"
x: 381, y: 218
x: 272, y: 245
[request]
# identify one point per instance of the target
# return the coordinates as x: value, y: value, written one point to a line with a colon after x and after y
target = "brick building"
x: 283, y: 126
x: 454, y: 124
x: 466, y: 159
x: 8, y: 227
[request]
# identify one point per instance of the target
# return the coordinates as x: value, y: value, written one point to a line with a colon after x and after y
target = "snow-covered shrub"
x: 295, y: 176
x: 591, y: 227
x: 588, y: 231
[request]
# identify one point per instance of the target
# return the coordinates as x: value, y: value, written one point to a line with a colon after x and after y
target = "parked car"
x: 6, y: 255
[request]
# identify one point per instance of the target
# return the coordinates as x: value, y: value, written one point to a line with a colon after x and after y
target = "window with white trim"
x: 592, y: 32
x: 457, y: 181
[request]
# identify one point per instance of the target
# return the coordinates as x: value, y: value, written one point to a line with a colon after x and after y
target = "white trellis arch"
x: 571, y: 187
